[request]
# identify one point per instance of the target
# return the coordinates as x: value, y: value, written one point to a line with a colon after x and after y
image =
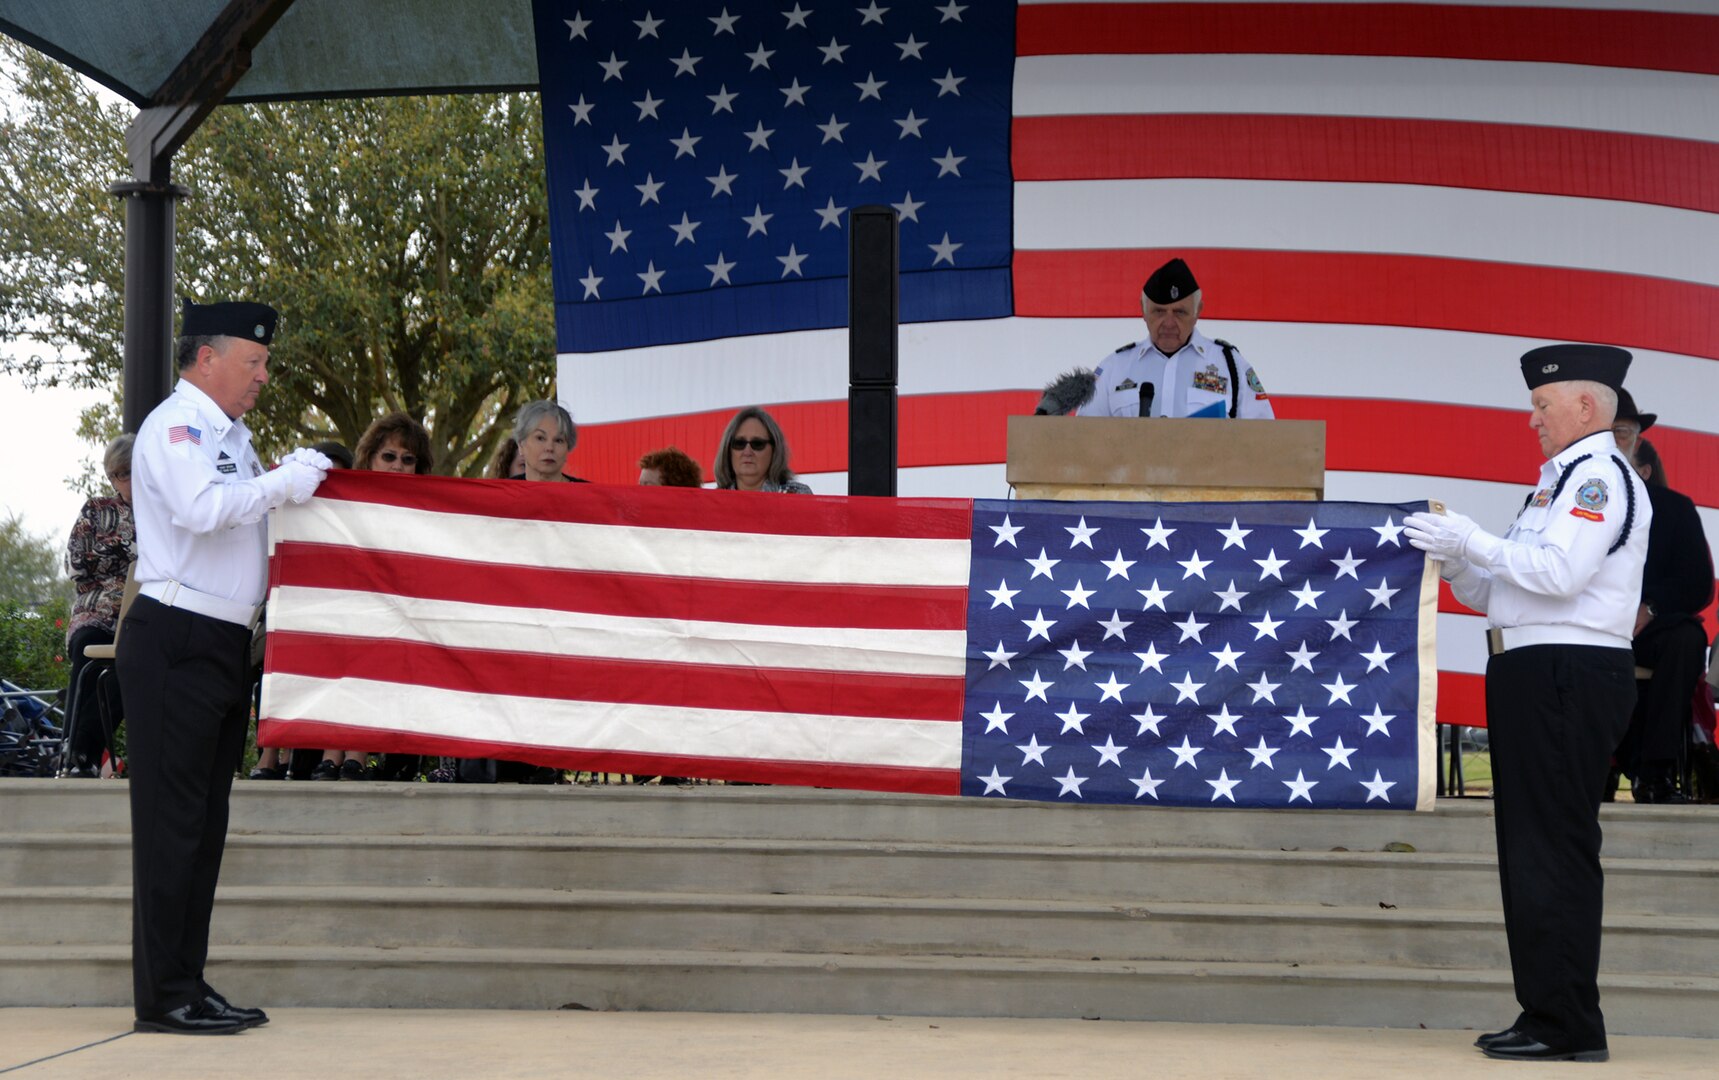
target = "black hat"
x: 253, y: 322
x: 1628, y: 411
x: 1170, y: 283
x: 1569, y: 363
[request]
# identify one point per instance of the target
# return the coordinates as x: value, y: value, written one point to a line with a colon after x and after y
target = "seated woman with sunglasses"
x: 395, y: 443
x: 753, y: 455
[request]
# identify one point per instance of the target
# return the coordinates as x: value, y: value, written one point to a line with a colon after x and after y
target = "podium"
x: 1164, y: 460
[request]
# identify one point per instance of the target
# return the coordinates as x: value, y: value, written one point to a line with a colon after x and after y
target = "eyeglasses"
x: 390, y: 457
x: 123, y: 474
x: 756, y: 444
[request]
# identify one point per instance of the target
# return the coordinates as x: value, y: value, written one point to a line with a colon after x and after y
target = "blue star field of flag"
x: 703, y: 157
x: 1245, y: 654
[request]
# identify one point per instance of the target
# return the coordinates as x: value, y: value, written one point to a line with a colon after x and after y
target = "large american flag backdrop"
x: 1386, y: 204
x: 1245, y: 654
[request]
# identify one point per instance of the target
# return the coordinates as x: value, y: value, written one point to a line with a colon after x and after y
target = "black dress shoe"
x: 215, y: 1003
x: 1492, y: 1037
x: 1524, y: 1047
x: 193, y: 1019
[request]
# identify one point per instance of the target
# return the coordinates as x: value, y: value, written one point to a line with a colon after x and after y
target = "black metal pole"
x: 149, y: 211
x: 874, y: 317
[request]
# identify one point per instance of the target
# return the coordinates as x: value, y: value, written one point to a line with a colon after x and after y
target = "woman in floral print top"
x: 98, y: 554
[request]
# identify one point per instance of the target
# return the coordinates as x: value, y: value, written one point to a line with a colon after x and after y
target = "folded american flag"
x: 1248, y: 654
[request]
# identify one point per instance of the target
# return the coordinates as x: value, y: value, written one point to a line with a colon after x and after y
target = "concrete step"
x: 543, y: 918
x: 1410, y: 881
x: 1369, y: 995
x: 396, y: 809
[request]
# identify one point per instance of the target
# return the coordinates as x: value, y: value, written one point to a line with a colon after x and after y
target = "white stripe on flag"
x: 455, y: 624
x: 832, y: 560
x: 1482, y: 91
x: 652, y: 729
x: 1305, y: 358
x: 1455, y: 223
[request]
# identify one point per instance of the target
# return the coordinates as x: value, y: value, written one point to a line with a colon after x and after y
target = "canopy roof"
x: 318, y: 48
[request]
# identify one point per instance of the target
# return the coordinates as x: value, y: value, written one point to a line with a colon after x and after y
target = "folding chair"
x: 95, y: 675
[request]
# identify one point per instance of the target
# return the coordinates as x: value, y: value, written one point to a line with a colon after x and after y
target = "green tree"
x: 404, y: 240
x: 29, y: 568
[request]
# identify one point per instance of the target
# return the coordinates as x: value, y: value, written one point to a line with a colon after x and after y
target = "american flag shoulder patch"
x: 179, y: 433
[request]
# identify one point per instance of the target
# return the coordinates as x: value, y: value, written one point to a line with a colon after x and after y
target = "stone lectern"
x: 1164, y: 460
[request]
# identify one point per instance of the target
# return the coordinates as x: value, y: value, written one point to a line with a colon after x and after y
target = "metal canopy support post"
x: 874, y: 317
x: 185, y: 98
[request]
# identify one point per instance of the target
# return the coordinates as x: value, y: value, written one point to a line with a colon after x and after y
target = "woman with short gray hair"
x: 546, y: 435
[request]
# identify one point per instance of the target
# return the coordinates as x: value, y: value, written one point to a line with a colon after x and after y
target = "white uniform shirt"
x: 200, y: 498
x: 1196, y: 379
x: 1551, y: 568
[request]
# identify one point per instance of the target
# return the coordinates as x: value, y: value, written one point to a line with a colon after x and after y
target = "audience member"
x: 335, y: 452
x: 99, y: 552
x: 753, y: 455
x: 546, y: 435
x: 1670, y: 640
x: 671, y: 467
x: 507, y: 463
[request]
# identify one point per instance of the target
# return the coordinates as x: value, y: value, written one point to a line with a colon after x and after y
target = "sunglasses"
x: 756, y: 444
x: 390, y: 457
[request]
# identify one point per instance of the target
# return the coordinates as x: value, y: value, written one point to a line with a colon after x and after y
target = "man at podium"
x: 1176, y: 371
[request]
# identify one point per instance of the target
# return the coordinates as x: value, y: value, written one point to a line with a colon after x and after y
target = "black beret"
x: 1568, y: 363
x: 253, y: 322
x: 1628, y: 411
x: 1170, y: 283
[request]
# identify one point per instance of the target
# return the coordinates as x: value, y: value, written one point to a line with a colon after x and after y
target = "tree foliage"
x: 29, y: 567
x: 404, y: 240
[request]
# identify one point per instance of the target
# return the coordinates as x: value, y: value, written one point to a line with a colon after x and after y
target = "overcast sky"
x: 40, y: 452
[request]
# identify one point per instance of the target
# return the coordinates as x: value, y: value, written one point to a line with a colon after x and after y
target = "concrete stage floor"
x: 380, y: 1043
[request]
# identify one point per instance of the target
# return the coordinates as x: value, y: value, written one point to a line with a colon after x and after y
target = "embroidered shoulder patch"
x: 1592, y: 494
x: 1586, y: 515
x: 1253, y: 381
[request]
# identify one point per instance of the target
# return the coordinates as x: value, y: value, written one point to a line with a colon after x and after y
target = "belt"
x: 173, y: 594
x: 1504, y: 638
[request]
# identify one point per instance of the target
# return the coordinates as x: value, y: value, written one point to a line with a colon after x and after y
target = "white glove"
x: 1442, y: 536
x: 316, y: 459
x: 301, y: 479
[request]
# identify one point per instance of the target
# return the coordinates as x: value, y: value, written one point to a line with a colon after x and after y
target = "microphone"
x: 1147, y: 393
x: 1067, y: 393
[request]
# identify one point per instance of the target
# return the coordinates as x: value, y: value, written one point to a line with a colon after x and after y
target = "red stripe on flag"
x: 655, y: 507
x: 1657, y: 41
x: 878, y: 607
x: 1461, y: 699
x: 317, y: 734
x: 630, y: 682
x: 1451, y: 153
x: 1549, y: 302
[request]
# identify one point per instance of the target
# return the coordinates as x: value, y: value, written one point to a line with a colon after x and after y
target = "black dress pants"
x: 1676, y: 653
x: 89, y: 737
x: 1554, y: 715
x: 186, y: 681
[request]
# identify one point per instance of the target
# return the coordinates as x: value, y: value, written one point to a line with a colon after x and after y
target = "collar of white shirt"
x: 1583, y: 445
x: 210, y: 413
x: 1196, y: 341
